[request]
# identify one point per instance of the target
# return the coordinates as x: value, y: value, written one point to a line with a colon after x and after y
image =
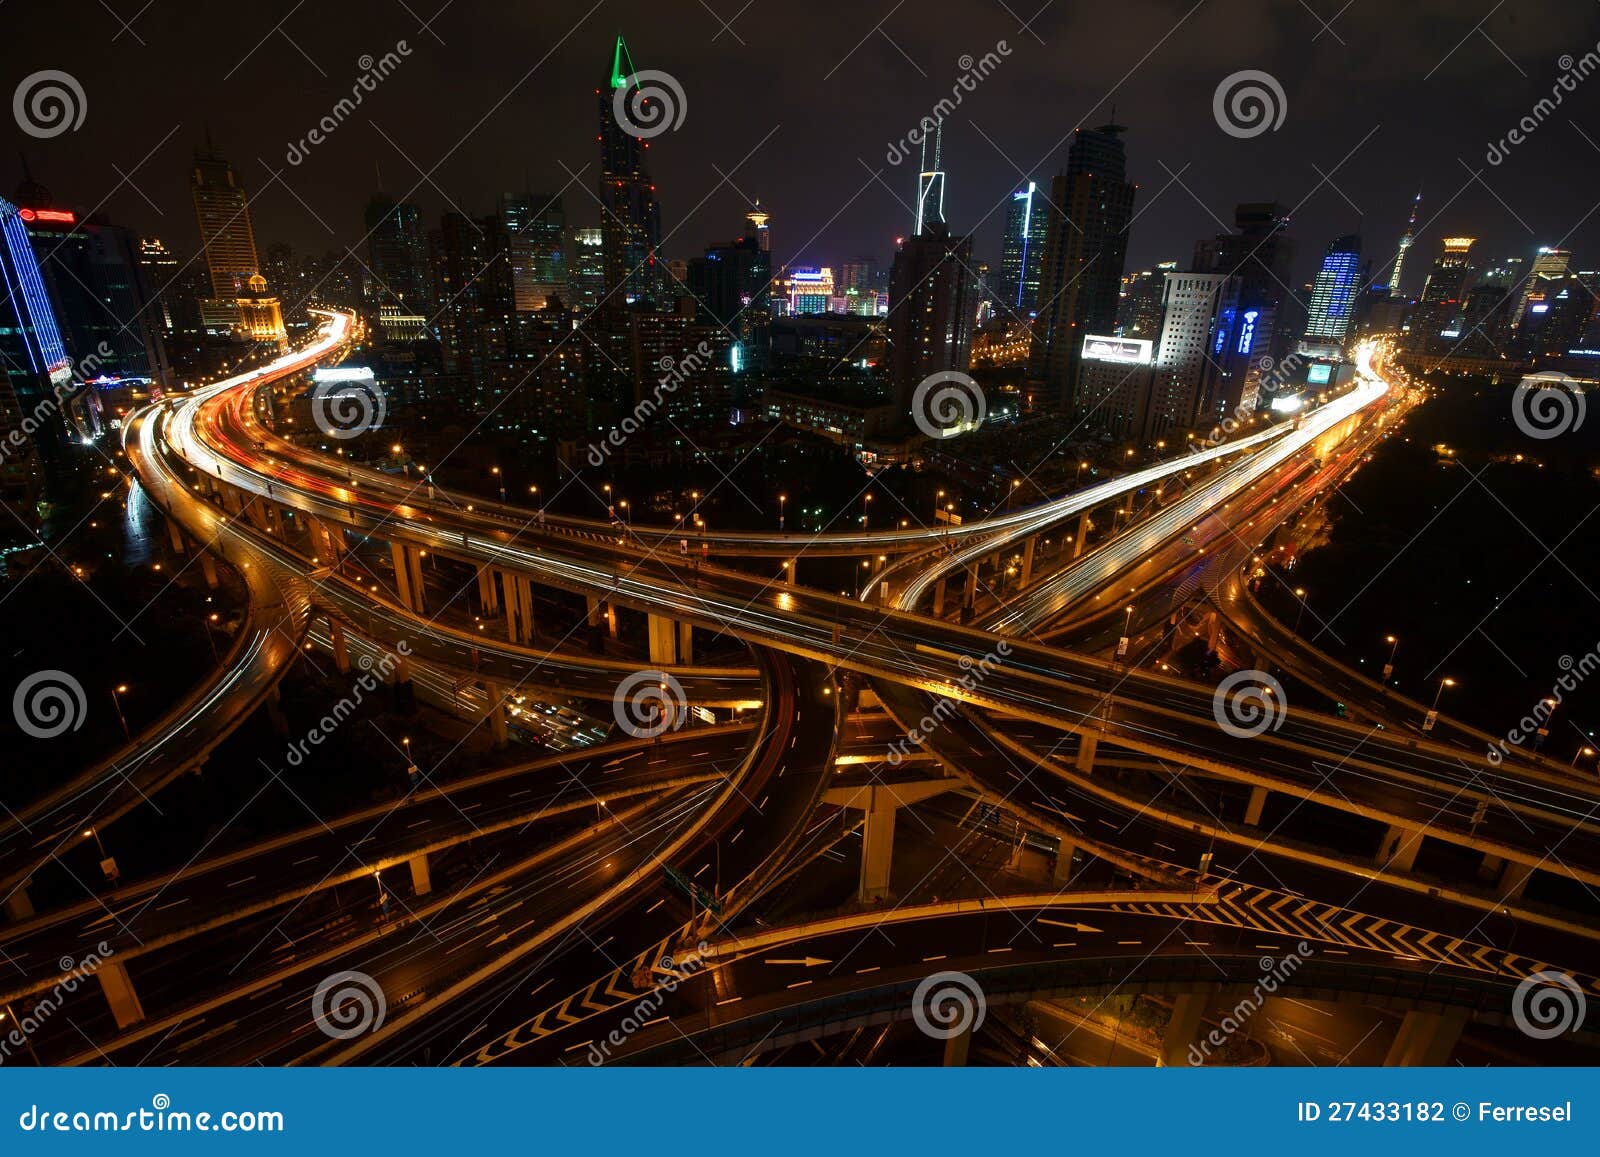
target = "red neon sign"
x: 64, y: 216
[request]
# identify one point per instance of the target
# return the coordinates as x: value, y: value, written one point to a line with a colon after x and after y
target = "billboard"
x: 1319, y: 374
x: 1133, y: 351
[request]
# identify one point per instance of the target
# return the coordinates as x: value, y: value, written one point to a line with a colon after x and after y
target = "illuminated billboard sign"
x: 343, y: 374
x: 1133, y: 351
x: 60, y: 216
x: 1319, y: 374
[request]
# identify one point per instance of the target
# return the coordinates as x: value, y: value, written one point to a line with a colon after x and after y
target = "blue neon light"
x: 46, y: 350
x: 1247, y: 331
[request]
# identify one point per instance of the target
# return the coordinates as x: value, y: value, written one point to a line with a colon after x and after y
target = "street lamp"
x: 1433, y: 712
x: 121, y: 689
x: 1299, y: 593
x: 1582, y: 751
x: 1394, y: 645
x: 499, y: 478
x: 782, y: 498
x: 1127, y: 632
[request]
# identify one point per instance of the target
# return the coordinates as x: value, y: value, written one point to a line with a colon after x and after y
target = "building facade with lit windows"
x: 1333, y: 294
x: 1022, y: 250
x: 630, y: 222
x: 222, y: 210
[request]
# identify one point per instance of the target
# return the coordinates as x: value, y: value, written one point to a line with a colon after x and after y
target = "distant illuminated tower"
x: 1334, y: 291
x: 1551, y: 266
x: 1405, y: 246
x: 1437, y: 323
x: 223, y: 213
x: 630, y: 224
x: 586, y: 277
x: 930, y: 187
x: 757, y: 219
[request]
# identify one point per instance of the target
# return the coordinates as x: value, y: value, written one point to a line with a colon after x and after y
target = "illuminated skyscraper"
x: 1022, y: 251
x: 586, y: 278
x: 1086, y: 244
x: 223, y: 213
x: 1550, y: 270
x: 536, y: 227
x: 630, y: 225
x: 1334, y: 292
x: 397, y: 250
x: 930, y: 185
x: 1437, y: 323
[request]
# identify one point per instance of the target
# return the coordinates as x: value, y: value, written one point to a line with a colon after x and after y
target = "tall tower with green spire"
x: 630, y: 228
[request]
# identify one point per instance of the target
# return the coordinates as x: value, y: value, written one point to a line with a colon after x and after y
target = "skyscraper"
x: 1437, y: 322
x: 536, y: 227
x: 932, y: 297
x: 1334, y: 293
x: 1086, y: 244
x: 930, y: 186
x: 1022, y: 251
x: 1263, y: 318
x: 1406, y: 241
x: 223, y: 213
x: 630, y: 225
x: 586, y: 278
x: 397, y: 250
x: 1550, y: 269
x: 1200, y: 376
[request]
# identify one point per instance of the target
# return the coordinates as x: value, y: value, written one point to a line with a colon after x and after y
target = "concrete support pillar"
x: 877, y: 846
x: 790, y: 566
x: 663, y: 641
x: 686, y: 643
x: 1082, y: 536
x: 1399, y: 848
x: 118, y: 988
x: 1188, y: 1010
x: 938, y: 599
x: 497, y: 714
x: 324, y: 543
x: 1027, y: 559
x: 421, y: 881
x: 1252, y: 811
x: 1062, y: 872
x: 611, y: 620
x: 1086, y: 747
x: 488, y: 595
x: 970, y: 596
x: 524, y: 587
x: 1514, y: 880
x: 175, y: 535
x: 957, y: 1047
x: 19, y: 905
x: 208, y: 567
x: 596, y: 609
x: 419, y: 589
x: 341, y: 647
x: 231, y: 501
x: 1426, y: 1039
x: 516, y: 626
x: 410, y: 595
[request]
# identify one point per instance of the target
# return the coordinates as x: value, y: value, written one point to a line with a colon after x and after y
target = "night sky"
x: 797, y: 104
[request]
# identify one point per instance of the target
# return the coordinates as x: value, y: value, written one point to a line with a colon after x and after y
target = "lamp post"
x: 1582, y: 751
x: 1300, y: 593
x: 782, y: 499
x: 1394, y: 645
x: 1433, y: 712
x: 1127, y: 633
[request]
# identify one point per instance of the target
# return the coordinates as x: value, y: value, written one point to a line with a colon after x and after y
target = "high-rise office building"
x: 1202, y: 359
x: 238, y: 305
x: 1086, y: 244
x: 35, y: 373
x: 932, y: 298
x: 536, y: 230
x: 1407, y: 239
x: 1022, y: 250
x: 809, y: 288
x: 1139, y: 310
x: 397, y: 250
x: 630, y: 225
x: 1259, y: 255
x: 586, y: 276
x: 1550, y: 269
x: 1438, y: 320
x: 1333, y: 294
